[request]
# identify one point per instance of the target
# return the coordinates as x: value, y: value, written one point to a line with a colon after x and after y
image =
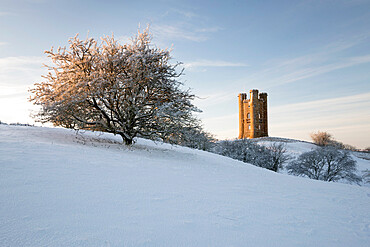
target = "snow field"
x: 62, y: 189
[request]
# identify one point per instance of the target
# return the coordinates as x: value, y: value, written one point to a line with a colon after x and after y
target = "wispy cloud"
x: 3, y: 43
x: 213, y: 63
x: 345, y: 43
x: 312, y: 70
x: 208, y: 29
x: 185, y: 13
x: 21, y: 63
x: 346, y: 103
x: 188, y: 25
x: 171, y: 32
x: 328, y: 58
x: 212, y: 99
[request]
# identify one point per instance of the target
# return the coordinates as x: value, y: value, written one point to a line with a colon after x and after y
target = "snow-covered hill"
x: 62, y: 189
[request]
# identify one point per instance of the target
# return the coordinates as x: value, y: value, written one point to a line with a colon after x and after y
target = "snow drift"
x: 59, y: 188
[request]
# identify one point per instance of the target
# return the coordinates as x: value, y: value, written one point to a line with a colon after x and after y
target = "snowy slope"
x: 62, y: 189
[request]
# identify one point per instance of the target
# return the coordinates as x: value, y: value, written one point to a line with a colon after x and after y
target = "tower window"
x: 249, y: 127
x: 248, y: 115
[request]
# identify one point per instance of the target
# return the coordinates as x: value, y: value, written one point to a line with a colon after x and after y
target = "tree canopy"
x: 328, y: 164
x: 130, y: 89
x: 271, y: 157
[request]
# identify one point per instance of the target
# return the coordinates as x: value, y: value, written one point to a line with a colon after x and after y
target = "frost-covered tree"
x: 236, y: 149
x: 328, y: 164
x: 272, y: 157
x: 193, y: 137
x: 278, y: 156
x: 130, y: 90
x: 366, y: 176
x: 310, y: 164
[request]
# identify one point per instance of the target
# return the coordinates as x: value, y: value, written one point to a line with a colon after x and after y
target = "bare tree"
x: 271, y: 157
x: 130, y: 90
x: 243, y: 149
x: 278, y: 156
x: 328, y: 164
x: 321, y: 138
x: 309, y: 164
x: 325, y: 139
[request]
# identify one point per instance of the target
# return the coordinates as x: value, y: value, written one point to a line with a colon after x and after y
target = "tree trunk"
x: 127, y: 141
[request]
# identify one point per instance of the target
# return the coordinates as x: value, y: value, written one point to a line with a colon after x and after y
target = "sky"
x: 311, y: 57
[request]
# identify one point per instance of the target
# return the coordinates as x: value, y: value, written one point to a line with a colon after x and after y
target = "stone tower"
x: 253, y: 115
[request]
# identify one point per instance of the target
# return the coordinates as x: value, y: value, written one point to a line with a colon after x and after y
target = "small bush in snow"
x: 321, y: 138
x: 327, y: 164
x: 271, y: 157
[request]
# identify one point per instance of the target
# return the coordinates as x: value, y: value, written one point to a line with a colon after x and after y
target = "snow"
x: 62, y: 189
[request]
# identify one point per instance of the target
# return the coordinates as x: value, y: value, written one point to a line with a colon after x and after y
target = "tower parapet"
x: 253, y: 115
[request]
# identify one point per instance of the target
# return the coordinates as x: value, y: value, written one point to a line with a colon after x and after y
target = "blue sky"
x: 311, y: 57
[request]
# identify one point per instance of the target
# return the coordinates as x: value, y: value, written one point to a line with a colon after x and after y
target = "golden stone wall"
x: 253, y: 115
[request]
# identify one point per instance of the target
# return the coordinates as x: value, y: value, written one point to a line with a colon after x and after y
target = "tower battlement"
x: 253, y: 115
